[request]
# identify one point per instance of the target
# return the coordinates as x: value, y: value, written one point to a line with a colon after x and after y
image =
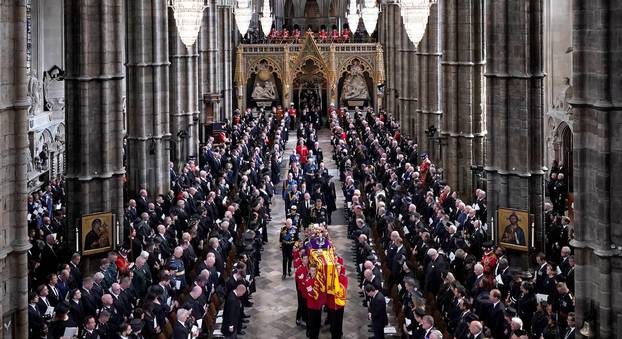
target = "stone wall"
x: 14, y: 105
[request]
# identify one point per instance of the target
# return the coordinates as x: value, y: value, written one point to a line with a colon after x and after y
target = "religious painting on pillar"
x: 96, y: 233
x: 513, y: 229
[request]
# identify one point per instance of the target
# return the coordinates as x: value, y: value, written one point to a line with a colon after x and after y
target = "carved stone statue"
x: 264, y: 90
x: 565, y: 93
x: 355, y: 85
x: 54, y: 89
x: 35, y: 90
x: 265, y: 86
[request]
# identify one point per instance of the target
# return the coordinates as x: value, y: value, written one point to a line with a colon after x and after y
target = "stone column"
x: 462, y: 105
x: 408, y: 77
x: 597, y: 112
x: 227, y: 61
x: 390, y: 43
x: 14, y: 105
x: 183, y: 98
x: 148, y: 101
x: 514, y: 103
x: 208, y: 63
x: 398, y: 69
x: 429, y: 83
x: 94, y: 83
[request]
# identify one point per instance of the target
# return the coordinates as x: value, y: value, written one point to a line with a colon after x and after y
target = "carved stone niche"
x: 54, y: 89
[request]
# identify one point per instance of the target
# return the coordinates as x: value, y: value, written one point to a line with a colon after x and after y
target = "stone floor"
x: 274, y: 312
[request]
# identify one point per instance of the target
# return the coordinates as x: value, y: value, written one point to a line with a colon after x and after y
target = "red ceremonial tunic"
x: 303, y: 151
x: 346, y: 34
x: 122, y: 264
x: 292, y: 112
x: 300, y: 275
x: 313, y: 303
x: 489, y: 262
x: 323, y: 35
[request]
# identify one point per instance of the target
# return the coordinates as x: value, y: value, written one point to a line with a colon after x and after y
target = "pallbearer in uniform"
x: 336, y: 303
x: 288, y: 236
x: 315, y: 301
x: 302, y: 271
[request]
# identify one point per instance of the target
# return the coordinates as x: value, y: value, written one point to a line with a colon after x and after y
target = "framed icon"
x: 96, y: 233
x: 513, y: 229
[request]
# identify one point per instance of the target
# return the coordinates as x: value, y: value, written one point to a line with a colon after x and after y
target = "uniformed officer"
x: 288, y: 236
x: 294, y: 216
x: 318, y: 213
x: 564, y: 304
x: 292, y: 197
x: 302, y: 272
x: 315, y: 301
x: 176, y: 265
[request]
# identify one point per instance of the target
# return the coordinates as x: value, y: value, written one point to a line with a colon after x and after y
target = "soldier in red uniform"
x: 315, y: 301
x: 345, y: 34
x: 489, y: 260
x: 279, y: 112
x: 335, y: 34
x: 292, y: 116
x: 296, y: 34
x: 323, y: 35
x: 285, y: 34
x: 302, y: 272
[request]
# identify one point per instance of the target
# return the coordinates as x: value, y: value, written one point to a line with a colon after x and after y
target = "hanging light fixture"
x: 353, y: 16
x: 188, y: 15
x: 415, y: 15
x: 266, y: 18
x: 243, y: 15
x: 369, y: 13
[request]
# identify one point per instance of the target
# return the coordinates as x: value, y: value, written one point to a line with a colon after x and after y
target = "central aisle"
x: 274, y: 312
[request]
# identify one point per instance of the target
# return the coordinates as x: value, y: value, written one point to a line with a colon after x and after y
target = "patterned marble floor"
x: 274, y: 311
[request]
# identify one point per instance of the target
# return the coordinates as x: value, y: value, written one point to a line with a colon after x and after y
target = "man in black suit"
x: 35, y: 319
x: 49, y: 258
x: 397, y: 261
x: 369, y: 278
x: 427, y: 327
x: 142, y: 203
x: 377, y: 311
x: 89, y: 331
x: 232, y: 313
x: 43, y: 303
x: 475, y: 330
x: 180, y: 330
x: 74, y: 271
x: 570, y: 332
x: 215, y: 248
x: 89, y: 298
x: 564, y: 264
x: 541, y: 273
x: 435, y: 267
x: 495, y: 320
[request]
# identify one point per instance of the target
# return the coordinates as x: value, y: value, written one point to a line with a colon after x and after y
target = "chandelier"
x: 266, y: 19
x: 243, y: 15
x: 188, y: 15
x: 369, y: 13
x: 415, y: 15
x: 353, y: 16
